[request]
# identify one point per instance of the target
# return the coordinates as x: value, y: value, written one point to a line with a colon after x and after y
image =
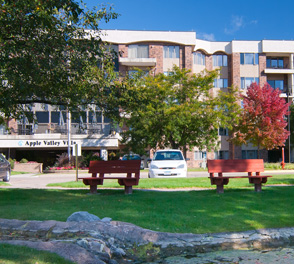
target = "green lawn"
x: 238, y: 209
x: 201, y: 182
x: 10, y: 254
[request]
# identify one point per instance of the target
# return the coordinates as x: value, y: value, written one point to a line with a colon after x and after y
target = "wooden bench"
x: 251, y: 166
x: 129, y: 167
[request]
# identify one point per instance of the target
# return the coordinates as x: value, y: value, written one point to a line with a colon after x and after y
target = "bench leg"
x: 128, y: 189
x: 220, y: 188
x: 257, y: 187
x: 93, y: 188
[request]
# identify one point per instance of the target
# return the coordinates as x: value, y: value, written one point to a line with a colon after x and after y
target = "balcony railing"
x: 76, y: 129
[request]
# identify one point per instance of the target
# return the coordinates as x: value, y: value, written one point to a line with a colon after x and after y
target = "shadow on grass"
x: 181, y: 212
x: 25, y: 255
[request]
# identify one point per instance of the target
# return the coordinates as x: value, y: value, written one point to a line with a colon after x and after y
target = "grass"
x: 11, y: 254
x: 18, y: 172
x: 200, y: 182
x: 181, y: 211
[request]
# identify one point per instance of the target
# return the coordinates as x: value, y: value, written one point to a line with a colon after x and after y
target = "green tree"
x: 177, y: 111
x: 49, y: 54
x: 262, y: 121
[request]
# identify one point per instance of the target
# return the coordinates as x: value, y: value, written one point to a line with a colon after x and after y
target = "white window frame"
x: 220, y: 60
x: 171, y: 52
x: 200, y: 155
x: 220, y: 83
x: 247, y: 81
x: 249, y: 58
x: 198, y: 58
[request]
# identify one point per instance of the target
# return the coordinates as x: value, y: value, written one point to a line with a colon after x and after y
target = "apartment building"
x: 241, y: 63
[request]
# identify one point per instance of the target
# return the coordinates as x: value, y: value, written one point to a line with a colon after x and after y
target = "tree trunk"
x: 185, y: 151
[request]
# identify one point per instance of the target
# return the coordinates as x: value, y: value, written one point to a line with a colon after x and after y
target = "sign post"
x: 77, y: 151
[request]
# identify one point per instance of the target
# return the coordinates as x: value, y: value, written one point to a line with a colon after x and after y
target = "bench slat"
x: 244, y: 165
x: 114, y: 166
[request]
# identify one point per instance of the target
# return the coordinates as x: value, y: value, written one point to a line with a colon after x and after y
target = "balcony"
x: 138, y: 62
x: 278, y: 71
x: 76, y: 129
x: 277, y: 66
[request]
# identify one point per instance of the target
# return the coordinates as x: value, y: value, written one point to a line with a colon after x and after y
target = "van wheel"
x: 7, y: 177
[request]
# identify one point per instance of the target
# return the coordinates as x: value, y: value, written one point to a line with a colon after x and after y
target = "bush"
x: 12, y: 161
x: 278, y: 166
x: 23, y: 160
x: 63, y: 162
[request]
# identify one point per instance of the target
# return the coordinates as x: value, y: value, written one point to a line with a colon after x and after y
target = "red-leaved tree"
x: 262, y: 120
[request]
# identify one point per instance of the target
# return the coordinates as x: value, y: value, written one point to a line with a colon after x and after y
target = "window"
x: 42, y: 117
x: 276, y: 84
x: 220, y: 60
x: 200, y: 155
x: 220, y: 83
x: 249, y: 58
x: 246, y: 81
x: 199, y: 58
x: 249, y: 154
x: 133, y: 73
x: 171, y: 52
x: 223, y: 131
x: 168, y: 73
x: 138, y: 51
x: 95, y: 117
x: 55, y: 117
x: 276, y: 63
x: 222, y: 154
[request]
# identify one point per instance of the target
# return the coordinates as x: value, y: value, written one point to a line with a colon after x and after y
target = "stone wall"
x: 29, y: 167
x: 118, y: 242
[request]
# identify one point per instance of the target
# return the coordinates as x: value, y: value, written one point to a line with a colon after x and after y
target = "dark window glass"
x: 55, y: 117
x: 42, y: 117
x: 95, y: 118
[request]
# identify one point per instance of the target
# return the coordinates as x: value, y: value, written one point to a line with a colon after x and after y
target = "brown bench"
x: 127, y: 167
x: 251, y: 166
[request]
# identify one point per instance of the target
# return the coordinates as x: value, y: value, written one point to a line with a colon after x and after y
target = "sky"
x: 213, y: 20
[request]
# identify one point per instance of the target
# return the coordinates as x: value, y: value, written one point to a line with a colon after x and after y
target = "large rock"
x: 82, y: 216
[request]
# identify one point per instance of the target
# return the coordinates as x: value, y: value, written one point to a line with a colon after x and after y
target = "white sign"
x: 77, y: 148
x: 104, y: 154
x: 44, y: 143
x: 57, y: 143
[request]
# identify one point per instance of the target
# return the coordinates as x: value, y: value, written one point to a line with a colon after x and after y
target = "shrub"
x: 63, y: 162
x: 23, y: 160
x: 12, y: 161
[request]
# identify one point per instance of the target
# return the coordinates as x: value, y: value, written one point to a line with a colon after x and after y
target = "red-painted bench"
x: 105, y: 169
x: 252, y: 166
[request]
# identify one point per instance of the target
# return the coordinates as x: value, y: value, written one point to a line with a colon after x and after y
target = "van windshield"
x: 168, y: 155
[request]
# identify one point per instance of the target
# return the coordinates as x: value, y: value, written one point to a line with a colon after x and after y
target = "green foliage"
x: 90, y: 155
x: 23, y: 160
x: 177, y: 110
x: 49, y: 55
x: 278, y: 166
x: 12, y: 161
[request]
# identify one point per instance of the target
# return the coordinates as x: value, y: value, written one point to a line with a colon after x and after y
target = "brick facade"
x: 156, y: 51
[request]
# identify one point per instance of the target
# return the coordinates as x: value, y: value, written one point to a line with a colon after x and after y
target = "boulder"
x: 82, y: 216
